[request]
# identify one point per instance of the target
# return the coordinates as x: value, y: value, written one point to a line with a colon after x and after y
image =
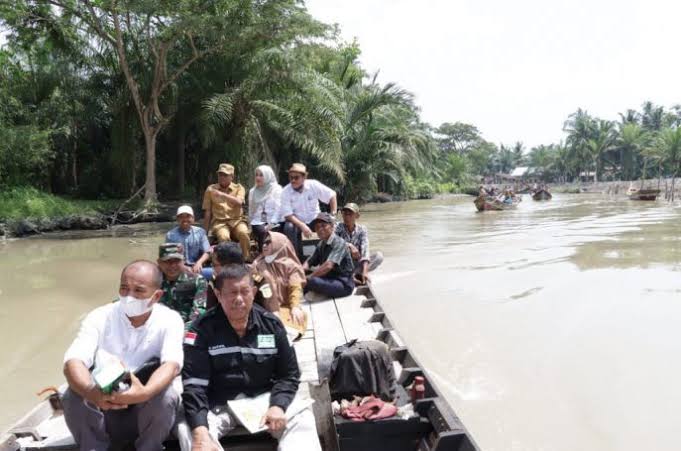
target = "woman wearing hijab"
x: 282, y: 279
x: 264, y: 200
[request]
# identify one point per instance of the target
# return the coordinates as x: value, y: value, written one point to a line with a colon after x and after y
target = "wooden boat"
x: 486, y: 203
x: 332, y: 322
x: 541, y: 194
x: 643, y: 194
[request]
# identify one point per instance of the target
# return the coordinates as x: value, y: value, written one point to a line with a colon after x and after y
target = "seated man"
x: 236, y: 349
x: 333, y: 273
x: 193, y: 239
x: 357, y: 238
x: 223, y: 254
x: 183, y: 291
x: 133, y: 330
x: 300, y: 205
x: 223, y: 214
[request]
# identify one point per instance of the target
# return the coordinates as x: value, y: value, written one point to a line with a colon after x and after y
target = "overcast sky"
x: 517, y: 69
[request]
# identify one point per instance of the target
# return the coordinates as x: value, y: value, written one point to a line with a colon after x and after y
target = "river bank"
x: 27, y: 211
x: 617, y: 188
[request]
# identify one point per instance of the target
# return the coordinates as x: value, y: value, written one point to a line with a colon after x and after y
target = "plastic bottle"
x: 418, y: 389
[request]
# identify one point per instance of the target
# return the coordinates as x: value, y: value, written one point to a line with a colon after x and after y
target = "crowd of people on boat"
x: 221, y: 317
x: 506, y: 196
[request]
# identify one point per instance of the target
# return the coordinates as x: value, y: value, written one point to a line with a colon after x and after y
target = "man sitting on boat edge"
x: 357, y: 239
x: 235, y: 349
x: 132, y: 331
x: 331, y: 260
x: 193, y: 239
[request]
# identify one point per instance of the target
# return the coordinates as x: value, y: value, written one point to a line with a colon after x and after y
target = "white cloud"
x: 517, y: 69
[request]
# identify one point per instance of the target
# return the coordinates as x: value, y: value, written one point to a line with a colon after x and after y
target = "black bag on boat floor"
x: 362, y: 368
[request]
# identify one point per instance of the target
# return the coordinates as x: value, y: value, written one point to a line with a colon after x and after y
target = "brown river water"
x: 556, y: 326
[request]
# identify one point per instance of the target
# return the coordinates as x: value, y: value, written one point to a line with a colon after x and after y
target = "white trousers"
x: 300, y: 433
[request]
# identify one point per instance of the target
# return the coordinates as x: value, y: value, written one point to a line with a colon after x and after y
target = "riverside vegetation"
x: 102, y: 99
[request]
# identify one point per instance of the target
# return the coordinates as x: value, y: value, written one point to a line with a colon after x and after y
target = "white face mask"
x: 133, y: 306
x: 270, y: 258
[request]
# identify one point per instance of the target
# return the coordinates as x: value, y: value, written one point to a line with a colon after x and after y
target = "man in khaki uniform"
x: 222, y: 205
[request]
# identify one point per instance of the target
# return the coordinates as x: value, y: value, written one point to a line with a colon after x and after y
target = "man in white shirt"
x: 134, y: 330
x: 300, y: 205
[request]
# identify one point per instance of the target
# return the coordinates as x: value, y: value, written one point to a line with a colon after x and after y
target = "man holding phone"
x: 125, y: 335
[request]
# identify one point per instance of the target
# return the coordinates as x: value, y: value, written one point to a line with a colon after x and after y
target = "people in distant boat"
x: 280, y: 277
x: 300, y: 205
x: 239, y: 348
x: 223, y: 212
x: 194, y: 240
x: 183, y: 291
x: 224, y: 254
x: 482, y: 192
x: 508, y: 197
x: 357, y: 239
x: 331, y: 262
x: 264, y: 201
x: 125, y: 335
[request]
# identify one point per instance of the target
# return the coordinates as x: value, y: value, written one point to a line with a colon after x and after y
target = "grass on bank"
x: 26, y: 202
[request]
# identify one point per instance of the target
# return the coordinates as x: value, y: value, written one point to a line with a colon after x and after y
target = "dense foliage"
x: 99, y: 98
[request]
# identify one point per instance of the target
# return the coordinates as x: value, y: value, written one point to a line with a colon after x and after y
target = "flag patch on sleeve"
x: 189, y: 338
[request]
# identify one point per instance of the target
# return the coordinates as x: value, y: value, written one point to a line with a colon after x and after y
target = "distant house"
x: 521, y: 172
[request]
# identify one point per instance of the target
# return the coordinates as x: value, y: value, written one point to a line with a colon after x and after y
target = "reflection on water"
x: 551, y: 327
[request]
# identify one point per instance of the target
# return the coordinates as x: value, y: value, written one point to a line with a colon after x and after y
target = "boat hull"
x: 487, y: 204
x: 542, y: 195
x: 644, y: 194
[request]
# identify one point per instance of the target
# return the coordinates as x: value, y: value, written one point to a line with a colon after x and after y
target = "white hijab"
x: 260, y: 194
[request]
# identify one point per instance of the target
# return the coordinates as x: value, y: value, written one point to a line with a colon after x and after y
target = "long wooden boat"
x: 643, y: 194
x: 332, y: 322
x: 486, y: 203
x: 541, y: 194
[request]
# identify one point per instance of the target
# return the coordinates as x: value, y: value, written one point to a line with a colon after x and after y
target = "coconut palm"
x: 666, y: 150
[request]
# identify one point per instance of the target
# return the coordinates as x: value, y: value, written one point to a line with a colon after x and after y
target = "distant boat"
x: 541, y: 194
x: 486, y: 203
x: 643, y: 194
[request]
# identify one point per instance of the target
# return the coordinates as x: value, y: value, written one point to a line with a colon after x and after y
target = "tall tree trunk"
x: 150, y: 196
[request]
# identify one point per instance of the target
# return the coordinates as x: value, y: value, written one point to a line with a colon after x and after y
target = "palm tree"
x: 666, y: 150
x: 279, y: 102
x: 631, y: 139
x: 580, y: 128
x: 602, y: 141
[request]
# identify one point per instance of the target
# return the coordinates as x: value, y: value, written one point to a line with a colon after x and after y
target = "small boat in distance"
x: 541, y: 194
x: 642, y: 194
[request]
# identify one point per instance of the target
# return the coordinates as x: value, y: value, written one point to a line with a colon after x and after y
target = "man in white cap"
x: 300, y: 204
x: 193, y: 239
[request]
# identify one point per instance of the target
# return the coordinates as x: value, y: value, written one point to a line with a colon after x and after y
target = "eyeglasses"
x: 295, y: 177
x: 267, y: 243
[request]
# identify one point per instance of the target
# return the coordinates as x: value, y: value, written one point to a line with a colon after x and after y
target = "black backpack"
x: 362, y: 368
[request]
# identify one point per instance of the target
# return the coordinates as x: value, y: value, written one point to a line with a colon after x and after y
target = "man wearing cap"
x: 357, y: 239
x: 183, y: 291
x: 300, y: 204
x: 132, y: 331
x: 331, y: 260
x: 194, y: 241
x: 223, y: 214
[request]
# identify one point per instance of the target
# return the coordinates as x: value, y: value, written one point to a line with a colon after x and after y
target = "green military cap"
x: 170, y: 251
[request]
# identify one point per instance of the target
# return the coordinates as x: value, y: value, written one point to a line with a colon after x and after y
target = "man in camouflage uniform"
x: 183, y: 291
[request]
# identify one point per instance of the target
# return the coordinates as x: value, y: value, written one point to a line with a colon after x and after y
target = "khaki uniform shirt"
x: 220, y: 209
